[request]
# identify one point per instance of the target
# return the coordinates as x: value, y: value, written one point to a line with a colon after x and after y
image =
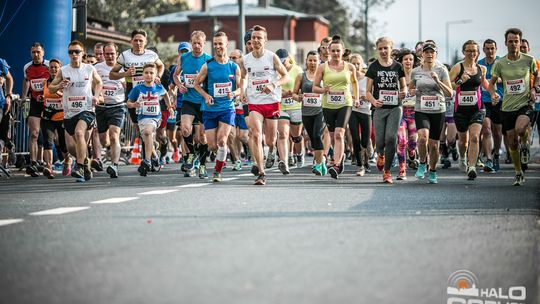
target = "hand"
x: 402, y: 95
x: 495, y: 99
x: 157, y: 80
x: 326, y: 89
x: 138, y: 104
x: 63, y: 84
x: 357, y: 103
x: 243, y: 98
x: 286, y: 94
x: 95, y: 100
x: 269, y: 88
x: 533, y: 95
x: 171, y: 111
x: 231, y: 95
x: 465, y: 77
x: 182, y: 89
x: 130, y: 71
x: 412, y: 92
x: 40, y: 98
x: 434, y: 76
x: 208, y: 99
x: 377, y: 104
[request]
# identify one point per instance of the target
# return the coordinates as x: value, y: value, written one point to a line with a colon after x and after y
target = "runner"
x: 145, y: 98
x: 99, y: 53
x: 290, y: 117
x: 385, y: 89
x: 447, y: 142
x: 36, y: 73
x: 81, y: 87
x: 222, y: 82
x: 111, y: 114
x: 238, y: 138
x: 360, y: 120
x: 191, y: 64
x: 265, y: 75
x: 338, y: 76
x: 515, y: 70
x: 467, y: 77
x: 430, y: 83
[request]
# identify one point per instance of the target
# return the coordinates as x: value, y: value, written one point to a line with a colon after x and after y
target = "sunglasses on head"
x: 74, y: 51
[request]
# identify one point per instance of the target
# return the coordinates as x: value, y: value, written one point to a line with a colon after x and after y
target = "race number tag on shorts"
x: 190, y: 80
x: 429, y: 103
x: 258, y: 85
x: 222, y: 89
x: 137, y: 80
x: 336, y: 98
x: 54, y: 103
x: 288, y: 101
x: 312, y: 100
x: 515, y: 86
x: 467, y: 98
x: 150, y: 107
x: 37, y: 84
x: 75, y: 104
x: 388, y: 98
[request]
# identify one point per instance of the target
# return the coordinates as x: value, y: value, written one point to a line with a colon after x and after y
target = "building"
x: 296, y: 32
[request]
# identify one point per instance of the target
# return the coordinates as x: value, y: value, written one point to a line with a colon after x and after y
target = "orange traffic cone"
x: 135, y: 153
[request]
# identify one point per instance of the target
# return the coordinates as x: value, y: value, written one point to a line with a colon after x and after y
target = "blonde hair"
x: 385, y: 39
x: 199, y: 34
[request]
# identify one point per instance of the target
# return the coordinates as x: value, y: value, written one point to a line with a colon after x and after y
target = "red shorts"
x: 164, y: 118
x: 269, y: 111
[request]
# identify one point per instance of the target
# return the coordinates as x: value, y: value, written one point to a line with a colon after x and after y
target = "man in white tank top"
x: 265, y: 74
x: 77, y: 81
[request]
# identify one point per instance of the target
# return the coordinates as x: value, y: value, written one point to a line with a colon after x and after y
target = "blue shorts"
x: 240, y: 121
x: 211, y: 119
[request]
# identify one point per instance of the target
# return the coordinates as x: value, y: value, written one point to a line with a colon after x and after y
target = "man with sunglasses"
x: 78, y: 80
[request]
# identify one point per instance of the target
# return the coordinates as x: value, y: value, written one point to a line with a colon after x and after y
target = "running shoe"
x: 270, y: 160
x: 454, y: 152
x: 292, y: 161
x: 66, y: 169
x: 519, y: 179
x: 361, y: 171
x: 380, y: 162
x: 196, y: 163
x: 300, y: 160
x: 446, y: 163
x: 188, y: 165
x: 176, y: 156
x: 87, y: 170
x: 78, y: 171
x: 334, y: 171
x: 40, y: 165
x: 421, y: 171
x: 32, y: 171
x: 112, y: 170
x: 237, y: 165
x: 471, y: 173
x: 496, y: 162
x: 524, y: 153
x: 255, y: 169
x: 479, y: 163
x: 412, y: 162
x: 317, y: 170
x: 48, y: 173
x: 283, y: 167
x: 144, y: 167
x: 216, y: 177
x: 261, y: 179
x: 212, y: 156
x: 324, y: 169
x: 156, y: 166
x: 189, y: 173
x: 488, y: 166
x: 387, y: 177
x: 402, y: 172
x: 97, y: 165
x: 202, y: 172
x: 508, y: 159
x: 432, y: 177
x: 463, y: 164
x: 367, y: 167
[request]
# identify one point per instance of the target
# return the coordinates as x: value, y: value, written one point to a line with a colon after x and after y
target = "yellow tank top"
x: 289, y: 103
x: 339, y: 82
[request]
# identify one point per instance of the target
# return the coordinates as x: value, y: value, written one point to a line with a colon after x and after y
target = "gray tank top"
x: 307, y: 87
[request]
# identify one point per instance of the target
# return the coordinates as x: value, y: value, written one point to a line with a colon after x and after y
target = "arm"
x: 319, y: 74
x: 491, y: 89
x: 243, y: 83
x: 354, y: 83
x: 9, y: 90
x: 485, y: 83
x: 176, y: 76
x: 115, y: 73
x: 97, y: 86
x: 160, y: 70
x: 57, y: 83
x: 200, y: 79
x: 282, y: 71
x: 454, y: 71
x: 238, y: 80
x: 402, y: 88
x: 369, y: 95
x: 296, y: 90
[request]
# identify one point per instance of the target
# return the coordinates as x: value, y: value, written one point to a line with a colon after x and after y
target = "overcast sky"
x: 490, y: 19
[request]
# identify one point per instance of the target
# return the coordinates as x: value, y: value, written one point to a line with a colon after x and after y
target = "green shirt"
x: 516, y: 79
x: 340, y: 94
x: 289, y: 103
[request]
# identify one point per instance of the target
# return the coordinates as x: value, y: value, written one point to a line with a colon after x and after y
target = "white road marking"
x: 226, y: 179
x: 193, y: 185
x: 114, y: 200
x: 246, y: 174
x: 10, y: 221
x: 58, y: 211
x: 158, y: 192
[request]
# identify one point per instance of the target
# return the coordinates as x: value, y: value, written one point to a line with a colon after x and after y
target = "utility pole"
x: 366, y: 36
x: 241, y: 26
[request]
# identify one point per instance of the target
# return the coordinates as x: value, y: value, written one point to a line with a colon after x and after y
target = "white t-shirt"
x: 261, y: 72
x: 77, y: 95
x: 113, y: 90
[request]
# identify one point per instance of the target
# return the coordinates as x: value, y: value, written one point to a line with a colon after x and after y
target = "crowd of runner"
x: 405, y: 109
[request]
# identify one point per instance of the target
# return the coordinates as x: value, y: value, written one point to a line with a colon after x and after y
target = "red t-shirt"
x: 36, y: 75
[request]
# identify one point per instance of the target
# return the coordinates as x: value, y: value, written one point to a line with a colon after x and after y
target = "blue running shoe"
x: 421, y: 171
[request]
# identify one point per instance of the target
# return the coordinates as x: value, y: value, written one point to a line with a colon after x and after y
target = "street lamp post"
x: 448, y: 23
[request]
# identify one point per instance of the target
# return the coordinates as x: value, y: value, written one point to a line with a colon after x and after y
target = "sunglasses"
x: 234, y: 58
x: 74, y: 52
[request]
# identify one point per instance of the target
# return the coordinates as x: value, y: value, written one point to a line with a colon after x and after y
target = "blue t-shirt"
x: 485, y: 94
x: 4, y: 70
x: 190, y: 68
x: 179, y: 96
x: 149, y: 99
x: 221, y: 79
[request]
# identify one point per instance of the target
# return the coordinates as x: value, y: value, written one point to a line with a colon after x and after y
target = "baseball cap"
x: 247, y: 36
x: 184, y: 46
x: 283, y: 54
x: 429, y: 46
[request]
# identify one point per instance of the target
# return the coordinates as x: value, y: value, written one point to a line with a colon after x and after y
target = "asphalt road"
x: 299, y: 239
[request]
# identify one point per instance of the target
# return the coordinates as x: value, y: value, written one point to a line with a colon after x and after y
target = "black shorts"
x: 193, y: 109
x: 337, y: 118
x: 509, y: 118
x: 464, y: 119
x: 36, y: 108
x: 434, y: 122
x: 112, y: 116
x: 71, y: 123
x: 246, y: 110
x: 494, y: 112
x: 178, y: 116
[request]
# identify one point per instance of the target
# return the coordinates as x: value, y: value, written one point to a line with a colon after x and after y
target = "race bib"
x: 54, y: 104
x: 388, y: 98
x: 150, y: 107
x: 312, y: 100
x: 258, y: 85
x: 467, y: 98
x: 137, y: 80
x: 37, y: 84
x: 75, y: 104
x: 288, y: 101
x: 222, y: 89
x: 429, y: 103
x: 109, y: 91
x: 514, y: 87
x: 190, y: 80
x: 336, y: 98
x: 364, y: 104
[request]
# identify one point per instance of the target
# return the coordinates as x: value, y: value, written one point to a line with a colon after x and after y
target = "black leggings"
x: 337, y: 118
x: 360, y: 126
x: 48, y: 129
x: 314, y: 126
